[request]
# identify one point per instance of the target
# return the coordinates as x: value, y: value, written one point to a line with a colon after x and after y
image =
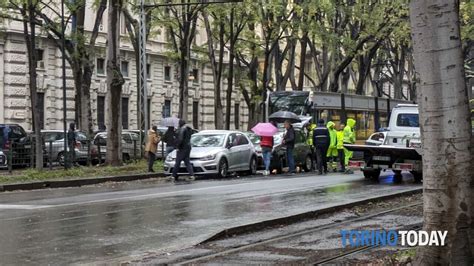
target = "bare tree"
x: 445, y: 130
x: 114, y: 86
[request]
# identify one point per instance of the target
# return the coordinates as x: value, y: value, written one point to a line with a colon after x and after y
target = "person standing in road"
x: 151, y: 146
x: 266, y: 142
x: 321, y: 143
x: 340, y: 147
x: 170, y: 139
x: 71, y: 143
x: 183, y: 150
x: 332, y: 150
x: 289, y: 142
x: 309, y: 140
x: 349, y: 138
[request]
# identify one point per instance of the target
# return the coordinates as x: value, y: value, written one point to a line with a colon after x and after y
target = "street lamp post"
x: 63, y: 48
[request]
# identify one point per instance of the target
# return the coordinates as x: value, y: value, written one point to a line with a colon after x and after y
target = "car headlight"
x: 209, y: 157
x: 169, y: 158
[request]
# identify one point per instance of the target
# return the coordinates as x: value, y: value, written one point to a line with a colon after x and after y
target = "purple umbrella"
x: 265, y: 129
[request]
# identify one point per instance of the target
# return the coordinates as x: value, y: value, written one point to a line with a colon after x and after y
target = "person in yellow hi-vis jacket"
x: 340, y: 147
x: 349, y: 138
x: 309, y: 140
x: 332, y: 150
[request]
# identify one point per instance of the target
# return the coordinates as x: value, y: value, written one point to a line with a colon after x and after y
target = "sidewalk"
x: 28, y: 179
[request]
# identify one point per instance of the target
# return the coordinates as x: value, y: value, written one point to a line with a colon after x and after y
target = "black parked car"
x: 302, y: 152
x: 15, y: 139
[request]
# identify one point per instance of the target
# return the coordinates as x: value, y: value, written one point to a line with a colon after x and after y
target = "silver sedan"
x: 218, y: 152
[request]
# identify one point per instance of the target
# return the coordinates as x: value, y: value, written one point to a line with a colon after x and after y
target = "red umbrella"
x: 265, y: 129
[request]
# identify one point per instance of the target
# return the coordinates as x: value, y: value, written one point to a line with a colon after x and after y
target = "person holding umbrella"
x: 266, y: 132
x: 170, y: 139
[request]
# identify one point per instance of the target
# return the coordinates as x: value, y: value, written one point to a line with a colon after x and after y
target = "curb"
x: 77, y: 182
x: 239, y: 230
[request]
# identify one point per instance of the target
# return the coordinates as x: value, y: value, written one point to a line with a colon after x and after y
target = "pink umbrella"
x: 265, y: 129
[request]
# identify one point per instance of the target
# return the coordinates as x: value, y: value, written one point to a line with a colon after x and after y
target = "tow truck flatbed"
x: 393, y: 151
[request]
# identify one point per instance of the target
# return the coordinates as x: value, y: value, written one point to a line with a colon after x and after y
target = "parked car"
x: 376, y: 139
x: 255, y: 139
x: 56, y: 139
x: 218, y: 152
x: 301, y: 152
x: 161, y: 149
x: 130, y: 146
x: 13, y: 137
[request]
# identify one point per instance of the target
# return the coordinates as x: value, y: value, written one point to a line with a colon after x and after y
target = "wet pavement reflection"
x: 115, y: 222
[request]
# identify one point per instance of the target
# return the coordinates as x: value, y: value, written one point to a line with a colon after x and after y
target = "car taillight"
x: 78, y: 145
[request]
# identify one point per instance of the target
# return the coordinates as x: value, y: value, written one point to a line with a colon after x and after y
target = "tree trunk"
x: 217, y: 67
x: 183, y: 81
x: 230, y: 71
x: 114, y: 87
x: 29, y: 16
x: 445, y: 131
x: 301, y: 77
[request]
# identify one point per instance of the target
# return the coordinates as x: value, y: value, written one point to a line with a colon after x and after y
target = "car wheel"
x: 223, y: 168
x: 308, y: 163
x: 253, y: 166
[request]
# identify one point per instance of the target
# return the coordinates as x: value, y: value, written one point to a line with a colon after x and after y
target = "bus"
x: 371, y: 113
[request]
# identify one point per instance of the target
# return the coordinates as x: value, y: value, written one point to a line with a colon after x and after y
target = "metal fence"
x: 84, y: 152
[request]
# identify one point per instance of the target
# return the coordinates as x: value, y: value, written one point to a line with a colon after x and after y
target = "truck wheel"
x: 308, y: 164
x: 372, y: 174
x: 418, y: 176
x: 397, y: 178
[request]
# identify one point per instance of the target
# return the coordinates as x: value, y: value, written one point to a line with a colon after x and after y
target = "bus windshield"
x: 288, y: 101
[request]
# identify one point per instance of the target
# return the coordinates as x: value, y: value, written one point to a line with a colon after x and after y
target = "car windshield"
x: 208, y: 140
x: 254, y: 138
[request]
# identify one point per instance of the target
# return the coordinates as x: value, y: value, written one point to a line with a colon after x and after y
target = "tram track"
x: 206, y: 258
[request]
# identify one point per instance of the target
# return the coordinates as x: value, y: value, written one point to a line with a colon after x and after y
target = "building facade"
x: 163, y: 92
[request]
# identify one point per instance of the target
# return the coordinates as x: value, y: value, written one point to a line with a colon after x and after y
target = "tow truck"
x: 400, y: 151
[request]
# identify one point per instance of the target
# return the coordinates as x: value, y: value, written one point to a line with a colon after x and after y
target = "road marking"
x: 21, y: 207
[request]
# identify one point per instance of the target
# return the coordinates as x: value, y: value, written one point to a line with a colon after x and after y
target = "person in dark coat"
x: 289, y: 142
x: 170, y: 139
x: 71, y: 143
x: 321, y: 143
x: 183, y: 150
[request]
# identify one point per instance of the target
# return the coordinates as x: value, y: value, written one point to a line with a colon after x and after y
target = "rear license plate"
x: 27, y: 146
x: 381, y: 158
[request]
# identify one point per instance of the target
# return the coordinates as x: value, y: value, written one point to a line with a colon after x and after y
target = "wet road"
x: 120, y: 222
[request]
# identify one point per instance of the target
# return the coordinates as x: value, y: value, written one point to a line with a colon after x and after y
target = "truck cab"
x: 404, y: 127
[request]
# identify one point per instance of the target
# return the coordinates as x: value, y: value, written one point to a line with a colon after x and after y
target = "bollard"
x: 50, y: 155
x: 89, y: 153
x: 162, y: 151
x: 10, y: 158
x: 135, y: 150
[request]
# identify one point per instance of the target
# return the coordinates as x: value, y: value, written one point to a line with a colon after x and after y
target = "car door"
x: 232, y: 151
x: 245, y: 151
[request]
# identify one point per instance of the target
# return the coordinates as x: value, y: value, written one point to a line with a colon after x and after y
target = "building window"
x: 124, y: 68
x: 195, y: 75
x: 148, y: 71
x: 40, y: 106
x: 195, y: 114
x: 166, y: 109
x: 167, y: 73
x: 101, y: 112
x: 125, y: 113
x: 237, y: 115
x: 39, y: 58
x: 100, y: 65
